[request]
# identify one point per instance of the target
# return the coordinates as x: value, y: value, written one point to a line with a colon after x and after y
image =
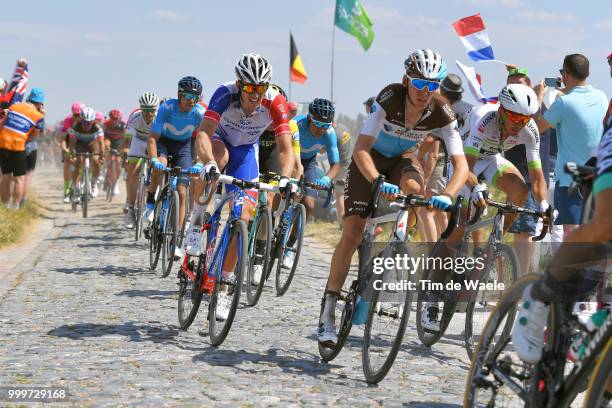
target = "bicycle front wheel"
x: 155, y: 241
x: 138, y: 206
x: 601, y: 376
x: 226, y: 294
x: 259, y: 250
x: 85, y: 192
x: 170, y: 235
x: 501, y: 269
x: 291, y: 249
x: 387, y: 318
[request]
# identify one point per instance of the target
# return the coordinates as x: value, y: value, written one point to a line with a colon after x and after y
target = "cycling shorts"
x: 138, y: 148
x: 242, y: 164
x: 358, y: 190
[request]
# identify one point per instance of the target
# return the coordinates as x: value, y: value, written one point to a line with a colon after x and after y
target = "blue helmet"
x: 322, y: 109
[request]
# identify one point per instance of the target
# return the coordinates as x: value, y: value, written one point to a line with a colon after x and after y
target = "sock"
x: 330, y: 305
x: 196, y: 213
x: 66, y: 186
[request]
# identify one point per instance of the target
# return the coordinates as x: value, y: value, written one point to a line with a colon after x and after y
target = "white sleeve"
x: 531, y: 138
x: 374, y: 121
x: 451, y: 138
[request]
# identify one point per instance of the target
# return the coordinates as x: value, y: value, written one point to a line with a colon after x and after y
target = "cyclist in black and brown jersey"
x: 402, y: 115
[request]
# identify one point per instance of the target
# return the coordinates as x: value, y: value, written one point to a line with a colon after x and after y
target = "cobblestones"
x: 91, y: 316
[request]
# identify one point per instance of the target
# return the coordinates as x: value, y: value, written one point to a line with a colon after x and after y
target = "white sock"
x: 196, y: 213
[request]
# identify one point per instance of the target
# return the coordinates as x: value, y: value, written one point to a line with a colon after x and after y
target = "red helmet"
x: 77, y: 107
x: 115, y: 114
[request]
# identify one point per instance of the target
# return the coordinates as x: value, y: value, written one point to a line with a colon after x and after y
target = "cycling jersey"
x: 175, y: 125
x: 136, y: 126
x: 234, y: 127
x: 76, y: 132
x: 310, y: 145
x: 67, y: 123
x: 267, y: 141
x: 22, y: 118
x: 387, y: 124
x: 604, y: 163
x: 484, y: 139
x: 113, y: 131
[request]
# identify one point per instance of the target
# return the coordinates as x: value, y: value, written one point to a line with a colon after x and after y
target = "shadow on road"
x: 149, y: 294
x: 303, y: 364
x: 106, y: 270
x: 416, y: 404
x: 155, y: 332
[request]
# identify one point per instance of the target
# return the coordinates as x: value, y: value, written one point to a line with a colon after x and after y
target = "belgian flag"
x: 298, y: 73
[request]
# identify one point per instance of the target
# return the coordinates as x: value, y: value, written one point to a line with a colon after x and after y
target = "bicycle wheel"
x: 258, y: 254
x: 138, y: 206
x: 170, y: 234
x: 228, y: 289
x: 85, y: 192
x: 493, y: 366
x: 190, y: 291
x: 344, y: 322
x: 155, y: 241
x: 602, y: 374
x: 501, y: 268
x: 285, y: 276
x: 448, y: 299
x: 387, y: 318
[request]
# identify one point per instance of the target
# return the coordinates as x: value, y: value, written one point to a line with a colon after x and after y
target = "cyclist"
x: 402, y: 115
x: 315, y: 133
x: 238, y: 113
x: 22, y: 123
x: 170, y: 135
x: 99, y: 118
x: 565, y: 273
x: 138, y: 129
x: 67, y: 123
x: 87, y: 136
x: 114, y: 129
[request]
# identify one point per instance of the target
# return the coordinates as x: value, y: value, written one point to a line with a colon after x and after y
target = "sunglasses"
x: 319, y: 124
x: 149, y: 110
x: 190, y: 96
x: 252, y: 88
x: 420, y: 84
x: 517, y: 118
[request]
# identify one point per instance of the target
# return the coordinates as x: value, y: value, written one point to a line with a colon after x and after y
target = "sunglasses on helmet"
x: 517, y: 118
x: 420, y: 84
x: 319, y: 124
x: 259, y: 89
x: 190, y: 96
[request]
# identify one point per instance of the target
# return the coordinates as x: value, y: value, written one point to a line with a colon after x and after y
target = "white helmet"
x: 148, y: 100
x: 253, y: 69
x: 3, y: 84
x: 519, y: 98
x: 427, y: 63
x: 88, y: 114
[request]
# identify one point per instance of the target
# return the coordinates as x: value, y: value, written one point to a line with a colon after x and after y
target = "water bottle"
x: 361, y: 311
x: 582, y: 339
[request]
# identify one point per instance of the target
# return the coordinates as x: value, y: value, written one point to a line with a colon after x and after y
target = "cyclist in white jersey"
x: 138, y: 129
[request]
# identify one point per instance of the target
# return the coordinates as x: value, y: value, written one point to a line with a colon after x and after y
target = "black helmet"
x: 190, y: 85
x: 322, y: 109
x: 279, y: 90
x: 452, y: 83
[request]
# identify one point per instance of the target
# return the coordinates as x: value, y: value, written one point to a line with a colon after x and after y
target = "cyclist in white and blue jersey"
x: 170, y: 135
x: 315, y: 133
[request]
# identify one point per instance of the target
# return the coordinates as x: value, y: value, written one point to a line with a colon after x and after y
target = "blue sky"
x: 107, y: 53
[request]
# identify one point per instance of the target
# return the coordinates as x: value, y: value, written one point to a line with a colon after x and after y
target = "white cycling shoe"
x: 430, y: 316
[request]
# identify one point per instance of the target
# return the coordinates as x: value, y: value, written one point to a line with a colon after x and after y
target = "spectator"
x: 31, y: 150
x: 609, y: 114
x: 577, y: 117
x: 21, y: 125
x: 368, y: 104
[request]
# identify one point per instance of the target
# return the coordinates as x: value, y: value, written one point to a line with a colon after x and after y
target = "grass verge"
x: 13, y: 223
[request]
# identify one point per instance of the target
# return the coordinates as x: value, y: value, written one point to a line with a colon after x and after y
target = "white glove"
x: 477, y: 193
x: 544, y: 206
x: 283, y: 183
x: 209, y: 171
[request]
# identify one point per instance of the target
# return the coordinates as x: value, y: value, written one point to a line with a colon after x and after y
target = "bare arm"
x: 285, y: 153
x: 152, y: 145
x: 203, y: 145
x: 460, y: 174
x: 538, y: 182
x: 363, y: 158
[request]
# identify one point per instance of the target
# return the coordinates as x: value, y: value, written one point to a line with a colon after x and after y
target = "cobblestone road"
x: 89, y: 315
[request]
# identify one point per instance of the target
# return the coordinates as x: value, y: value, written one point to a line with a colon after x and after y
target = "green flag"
x: 352, y: 18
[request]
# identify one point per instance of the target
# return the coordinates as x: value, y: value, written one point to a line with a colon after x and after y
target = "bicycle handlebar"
x: 479, y: 210
x: 511, y: 208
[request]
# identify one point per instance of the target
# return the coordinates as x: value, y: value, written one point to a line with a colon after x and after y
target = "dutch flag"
x: 472, y: 33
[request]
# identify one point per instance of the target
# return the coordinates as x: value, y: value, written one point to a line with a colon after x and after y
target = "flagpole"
x: 332, y: 59
x: 290, y: 62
